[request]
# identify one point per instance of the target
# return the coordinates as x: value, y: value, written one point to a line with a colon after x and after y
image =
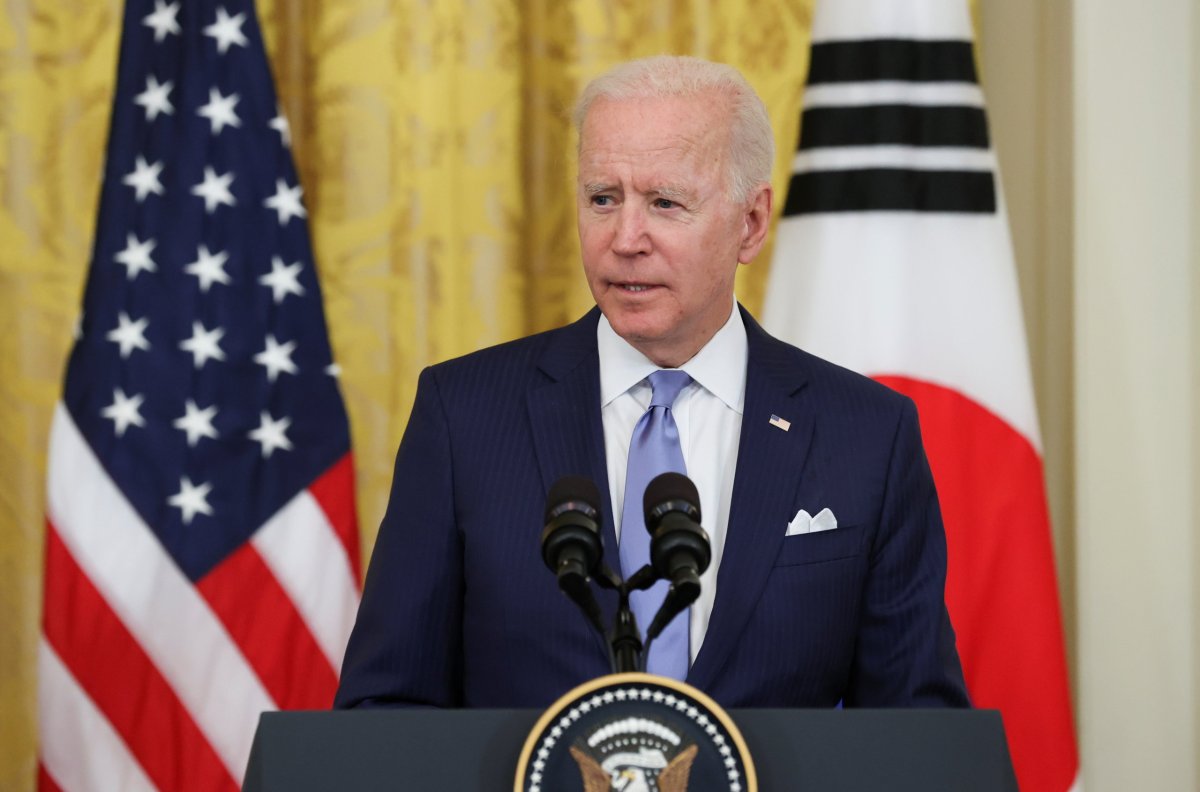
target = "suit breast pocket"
x: 812, y: 548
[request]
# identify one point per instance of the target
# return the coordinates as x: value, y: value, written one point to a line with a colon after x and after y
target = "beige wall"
x: 1195, y: 224
x: 1136, y: 360
x: 1026, y: 69
x: 1096, y: 114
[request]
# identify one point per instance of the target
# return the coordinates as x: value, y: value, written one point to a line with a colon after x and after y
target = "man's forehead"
x: 662, y: 173
x: 645, y: 148
x: 624, y: 129
x: 700, y: 113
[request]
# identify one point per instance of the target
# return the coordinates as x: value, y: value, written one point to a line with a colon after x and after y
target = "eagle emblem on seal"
x: 634, y: 755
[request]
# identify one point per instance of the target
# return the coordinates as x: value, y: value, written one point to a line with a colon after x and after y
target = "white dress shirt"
x: 708, y: 413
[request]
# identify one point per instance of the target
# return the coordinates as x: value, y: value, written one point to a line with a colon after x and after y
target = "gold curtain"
x: 435, y: 149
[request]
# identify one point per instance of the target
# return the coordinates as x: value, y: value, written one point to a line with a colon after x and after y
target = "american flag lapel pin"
x: 780, y: 423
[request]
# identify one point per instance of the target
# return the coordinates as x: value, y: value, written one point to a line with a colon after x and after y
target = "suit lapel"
x: 568, y: 435
x: 770, y: 463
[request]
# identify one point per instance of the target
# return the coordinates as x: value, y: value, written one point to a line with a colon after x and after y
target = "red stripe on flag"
x: 269, y: 630
x: 44, y: 782
x: 1001, y: 589
x: 334, y: 491
x: 122, y: 681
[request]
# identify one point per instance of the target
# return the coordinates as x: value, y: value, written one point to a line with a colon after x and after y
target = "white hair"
x: 751, y: 142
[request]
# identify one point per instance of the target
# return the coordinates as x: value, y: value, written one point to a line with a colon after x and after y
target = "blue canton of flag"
x: 201, y: 555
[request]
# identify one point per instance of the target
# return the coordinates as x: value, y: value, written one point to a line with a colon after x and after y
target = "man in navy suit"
x: 829, y: 557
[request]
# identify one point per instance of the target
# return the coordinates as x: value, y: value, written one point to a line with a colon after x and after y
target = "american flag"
x: 202, y: 552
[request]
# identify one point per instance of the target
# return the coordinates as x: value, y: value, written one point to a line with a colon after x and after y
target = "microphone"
x: 679, y: 547
x: 571, y: 544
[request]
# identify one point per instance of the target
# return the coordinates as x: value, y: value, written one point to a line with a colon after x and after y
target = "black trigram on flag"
x: 892, y: 125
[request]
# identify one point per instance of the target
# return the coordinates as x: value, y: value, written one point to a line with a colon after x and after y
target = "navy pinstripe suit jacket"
x: 459, y: 610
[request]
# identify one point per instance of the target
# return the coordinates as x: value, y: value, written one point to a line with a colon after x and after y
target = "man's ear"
x: 756, y: 221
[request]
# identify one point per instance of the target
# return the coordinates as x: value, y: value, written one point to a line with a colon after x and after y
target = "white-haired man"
x: 674, y: 193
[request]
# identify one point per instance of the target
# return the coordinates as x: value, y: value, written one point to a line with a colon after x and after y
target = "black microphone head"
x: 670, y: 492
x: 573, y: 493
x: 571, y: 543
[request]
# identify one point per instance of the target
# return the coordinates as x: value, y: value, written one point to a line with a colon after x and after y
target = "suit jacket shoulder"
x: 553, y: 352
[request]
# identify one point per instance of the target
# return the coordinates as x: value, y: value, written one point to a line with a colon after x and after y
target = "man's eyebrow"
x: 672, y: 193
x: 667, y: 191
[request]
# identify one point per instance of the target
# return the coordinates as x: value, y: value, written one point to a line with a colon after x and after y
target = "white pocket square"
x: 805, y: 523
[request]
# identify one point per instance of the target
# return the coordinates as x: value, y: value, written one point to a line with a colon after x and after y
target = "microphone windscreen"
x: 573, y: 493
x: 667, y: 488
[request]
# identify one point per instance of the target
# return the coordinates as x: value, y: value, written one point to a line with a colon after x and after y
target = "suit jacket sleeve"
x: 406, y: 647
x: 905, y: 654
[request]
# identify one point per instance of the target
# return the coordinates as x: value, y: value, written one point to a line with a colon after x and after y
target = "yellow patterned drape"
x: 436, y: 154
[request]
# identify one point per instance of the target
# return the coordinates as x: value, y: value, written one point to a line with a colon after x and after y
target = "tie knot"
x: 667, y: 384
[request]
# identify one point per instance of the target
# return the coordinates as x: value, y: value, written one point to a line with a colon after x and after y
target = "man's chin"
x: 636, y: 330
x: 650, y: 339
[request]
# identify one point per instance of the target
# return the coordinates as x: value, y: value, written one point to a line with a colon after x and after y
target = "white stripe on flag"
x: 927, y: 273
x: 930, y: 20
x: 920, y: 158
x: 152, y: 597
x: 893, y: 93
x: 308, y: 559
x: 78, y: 746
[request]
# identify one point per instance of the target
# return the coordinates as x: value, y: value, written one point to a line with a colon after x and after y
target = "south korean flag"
x: 893, y: 258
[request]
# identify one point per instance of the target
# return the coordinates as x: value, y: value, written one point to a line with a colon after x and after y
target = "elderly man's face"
x: 660, y: 238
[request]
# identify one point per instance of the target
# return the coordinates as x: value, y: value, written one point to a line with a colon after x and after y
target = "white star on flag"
x: 197, y: 423
x: 333, y: 370
x: 136, y: 256
x: 286, y: 201
x: 227, y: 30
x: 124, y: 411
x: 215, y: 189
x: 219, y: 110
x: 276, y: 358
x: 271, y: 434
x: 280, y: 124
x: 191, y: 499
x: 283, y: 279
x: 209, y: 268
x: 144, y: 178
x: 203, y: 344
x: 163, y: 20
x: 129, y: 335
x: 154, y: 98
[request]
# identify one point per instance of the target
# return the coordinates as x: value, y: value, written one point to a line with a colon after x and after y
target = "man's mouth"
x: 634, y: 287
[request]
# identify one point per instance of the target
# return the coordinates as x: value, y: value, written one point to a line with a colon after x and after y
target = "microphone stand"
x: 625, y: 640
x: 679, y: 547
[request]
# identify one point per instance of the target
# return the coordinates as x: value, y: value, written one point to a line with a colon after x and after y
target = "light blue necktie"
x: 654, y: 449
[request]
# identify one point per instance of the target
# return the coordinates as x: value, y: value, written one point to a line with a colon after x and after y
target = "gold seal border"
x: 572, y: 696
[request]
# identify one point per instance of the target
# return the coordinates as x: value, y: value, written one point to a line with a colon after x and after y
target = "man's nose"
x: 631, y: 238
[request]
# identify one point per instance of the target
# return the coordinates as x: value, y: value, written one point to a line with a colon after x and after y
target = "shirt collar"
x: 719, y: 367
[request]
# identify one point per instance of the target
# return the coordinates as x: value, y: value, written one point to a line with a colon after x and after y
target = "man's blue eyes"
x: 659, y: 203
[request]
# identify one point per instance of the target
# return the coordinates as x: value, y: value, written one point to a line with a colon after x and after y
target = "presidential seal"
x: 635, y: 733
